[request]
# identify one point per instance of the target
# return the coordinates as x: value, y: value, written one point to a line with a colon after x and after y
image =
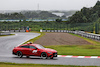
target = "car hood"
x: 48, y: 50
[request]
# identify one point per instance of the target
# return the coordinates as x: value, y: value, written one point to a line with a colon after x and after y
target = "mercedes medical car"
x: 34, y: 50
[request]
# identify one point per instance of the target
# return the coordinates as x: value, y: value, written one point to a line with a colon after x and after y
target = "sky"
x: 45, y: 4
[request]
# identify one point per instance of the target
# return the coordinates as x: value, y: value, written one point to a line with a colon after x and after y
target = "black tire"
x: 19, y: 54
x: 27, y: 57
x: 52, y: 58
x: 43, y: 55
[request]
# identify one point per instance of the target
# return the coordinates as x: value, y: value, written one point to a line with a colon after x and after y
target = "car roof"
x: 29, y: 44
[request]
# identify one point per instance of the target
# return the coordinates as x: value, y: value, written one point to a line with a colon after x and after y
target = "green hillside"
x: 86, y: 15
x: 28, y: 15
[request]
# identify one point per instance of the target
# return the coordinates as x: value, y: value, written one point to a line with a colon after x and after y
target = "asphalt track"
x: 9, y: 42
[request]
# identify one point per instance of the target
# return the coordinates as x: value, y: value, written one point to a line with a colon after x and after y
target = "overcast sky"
x: 45, y: 4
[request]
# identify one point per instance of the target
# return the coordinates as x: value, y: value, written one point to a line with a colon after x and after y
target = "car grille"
x: 55, y: 54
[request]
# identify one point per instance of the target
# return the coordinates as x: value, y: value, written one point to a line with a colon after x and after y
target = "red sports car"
x: 34, y: 50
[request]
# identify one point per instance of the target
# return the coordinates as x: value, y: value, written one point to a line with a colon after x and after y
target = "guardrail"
x: 9, y: 32
x: 88, y: 35
x: 17, y: 30
x: 81, y: 33
x: 5, y: 33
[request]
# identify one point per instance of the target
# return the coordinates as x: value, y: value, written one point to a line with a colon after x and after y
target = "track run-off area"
x: 7, y: 43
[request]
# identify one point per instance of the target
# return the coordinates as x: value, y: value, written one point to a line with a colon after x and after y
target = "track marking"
x: 28, y: 39
x: 67, y: 56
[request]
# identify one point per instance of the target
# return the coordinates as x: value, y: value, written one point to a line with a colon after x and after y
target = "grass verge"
x: 87, y: 39
x: 78, y: 50
x: 2, y: 64
x: 6, y: 35
x: 36, y: 38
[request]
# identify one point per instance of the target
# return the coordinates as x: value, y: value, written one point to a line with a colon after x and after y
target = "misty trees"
x: 59, y: 20
x: 11, y: 16
x: 86, y: 14
x: 39, y: 15
x: 76, y: 18
x: 28, y: 15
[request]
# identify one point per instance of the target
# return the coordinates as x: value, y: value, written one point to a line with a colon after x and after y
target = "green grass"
x: 36, y: 38
x: 78, y: 50
x: 2, y: 64
x: 6, y: 35
x: 87, y: 39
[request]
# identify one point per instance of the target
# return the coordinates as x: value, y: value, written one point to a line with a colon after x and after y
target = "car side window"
x: 33, y: 47
x: 25, y: 46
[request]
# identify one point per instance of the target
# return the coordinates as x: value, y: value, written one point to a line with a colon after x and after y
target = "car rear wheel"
x: 19, y: 54
x: 43, y: 55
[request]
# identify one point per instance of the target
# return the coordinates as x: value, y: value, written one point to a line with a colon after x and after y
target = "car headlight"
x: 49, y: 52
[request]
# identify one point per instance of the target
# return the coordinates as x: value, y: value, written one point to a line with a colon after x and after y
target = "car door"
x: 25, y: 49
x: 33, y: 50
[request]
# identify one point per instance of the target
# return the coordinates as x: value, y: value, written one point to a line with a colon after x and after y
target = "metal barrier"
x: 81, y: 33
x: 17, y: 30
x: 5, y: 33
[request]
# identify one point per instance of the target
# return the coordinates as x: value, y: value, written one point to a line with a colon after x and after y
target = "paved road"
x: 7, y: 44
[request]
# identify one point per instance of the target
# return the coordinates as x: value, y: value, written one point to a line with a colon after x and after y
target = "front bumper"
x: 53, y: 55
x: 14, y: 53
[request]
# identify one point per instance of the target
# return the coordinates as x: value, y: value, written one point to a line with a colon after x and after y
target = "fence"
x: 81, y: 33
x: 89, y: 27
x: 36, y: 26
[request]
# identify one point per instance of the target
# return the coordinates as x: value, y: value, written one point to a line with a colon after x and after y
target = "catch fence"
x: 36, y: 26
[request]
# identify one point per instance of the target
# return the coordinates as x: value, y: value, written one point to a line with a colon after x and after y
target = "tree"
x: 58, y: 20
x: 86, y: 14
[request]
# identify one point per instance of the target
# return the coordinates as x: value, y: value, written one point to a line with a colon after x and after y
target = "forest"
x: 28, y: 15
x: 86, y: 15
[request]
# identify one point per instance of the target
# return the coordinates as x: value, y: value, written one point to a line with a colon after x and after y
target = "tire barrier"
x: 81, y: 33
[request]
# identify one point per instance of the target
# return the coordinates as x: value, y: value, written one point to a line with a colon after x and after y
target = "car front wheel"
x: 43, y: 55
x: 19, y: 54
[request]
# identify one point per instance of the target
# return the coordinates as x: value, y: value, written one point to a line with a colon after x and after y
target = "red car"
x: 34, y: 50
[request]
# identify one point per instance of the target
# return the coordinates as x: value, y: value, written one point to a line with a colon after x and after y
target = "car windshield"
x: 39, y: 46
